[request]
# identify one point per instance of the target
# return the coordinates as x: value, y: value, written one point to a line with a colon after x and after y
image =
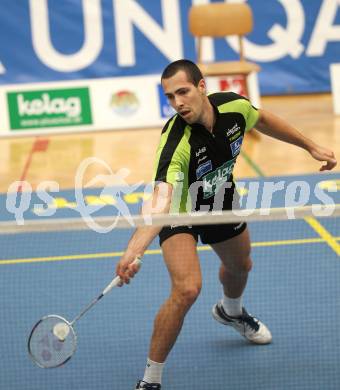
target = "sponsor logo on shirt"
x: 201, y: 159
x: 200, y: 151
x: 213, y: 181
x: 233, y: 130
x: 236, y: 146
x: 203, y: 168
x: 235, y: 136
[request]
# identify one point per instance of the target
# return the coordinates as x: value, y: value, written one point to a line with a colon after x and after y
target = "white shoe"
x: 248, y: 326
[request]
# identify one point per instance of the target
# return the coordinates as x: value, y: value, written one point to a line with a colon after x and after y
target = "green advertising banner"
x: 49, y: 108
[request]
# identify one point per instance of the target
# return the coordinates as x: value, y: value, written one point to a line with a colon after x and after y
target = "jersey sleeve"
x: 172, y: 157
x: 232, y: 102
x: 168, y: 169
x: 251, y: 117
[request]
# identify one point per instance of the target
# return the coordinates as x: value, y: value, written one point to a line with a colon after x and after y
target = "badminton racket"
x: 53, y: 340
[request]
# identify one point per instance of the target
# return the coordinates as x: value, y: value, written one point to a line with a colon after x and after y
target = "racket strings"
x: 46, y: 349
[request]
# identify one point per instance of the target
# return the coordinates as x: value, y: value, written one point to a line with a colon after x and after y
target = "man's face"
x: 185, y: 97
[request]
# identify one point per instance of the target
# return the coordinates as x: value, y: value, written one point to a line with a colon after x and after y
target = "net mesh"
x: 61, y: 265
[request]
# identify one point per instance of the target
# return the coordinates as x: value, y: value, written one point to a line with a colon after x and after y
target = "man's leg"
x: 235, y: 266
x: 235, y: 263
x: 181, y: 259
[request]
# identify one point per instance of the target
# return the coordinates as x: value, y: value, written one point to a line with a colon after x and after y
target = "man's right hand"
x: 126, y: 268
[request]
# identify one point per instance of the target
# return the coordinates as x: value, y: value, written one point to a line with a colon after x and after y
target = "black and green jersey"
x: 201, y: 163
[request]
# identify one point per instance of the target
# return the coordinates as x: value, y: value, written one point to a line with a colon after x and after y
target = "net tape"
x: 180, y: 219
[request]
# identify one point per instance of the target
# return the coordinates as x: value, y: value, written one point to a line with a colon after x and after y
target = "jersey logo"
x: 213, y: 181
x: 204, y: 168
x: 235, y: 136
x: 200, y: 151
x: 201, y: 159
x: 233, y: 130
x: 236, y: 146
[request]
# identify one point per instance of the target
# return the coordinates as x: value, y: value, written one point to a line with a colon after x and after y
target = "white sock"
x: 153, y: 372
x: 232, y: 306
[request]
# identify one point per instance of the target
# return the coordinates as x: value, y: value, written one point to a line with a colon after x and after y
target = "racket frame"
x: 62, y: 319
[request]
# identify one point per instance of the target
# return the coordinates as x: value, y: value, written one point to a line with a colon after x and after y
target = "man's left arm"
x: 280, y: 129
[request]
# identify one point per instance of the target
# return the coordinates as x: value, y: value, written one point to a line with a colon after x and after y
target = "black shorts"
x: 209, y: 234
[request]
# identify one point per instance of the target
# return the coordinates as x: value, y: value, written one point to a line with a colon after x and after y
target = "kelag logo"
x: 213, y: 181
x: 49, y: 108
x: 166, y: 110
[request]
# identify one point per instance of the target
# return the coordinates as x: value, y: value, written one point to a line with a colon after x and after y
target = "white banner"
x: 82, y: 105
x: 90, y: 105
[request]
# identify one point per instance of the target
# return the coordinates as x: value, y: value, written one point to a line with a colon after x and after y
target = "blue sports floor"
x: 294, y: 288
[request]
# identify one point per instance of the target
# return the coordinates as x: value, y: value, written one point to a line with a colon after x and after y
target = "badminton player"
x: 201, y: 144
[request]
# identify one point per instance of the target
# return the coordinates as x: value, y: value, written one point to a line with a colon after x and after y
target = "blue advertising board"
x: 294, y: 41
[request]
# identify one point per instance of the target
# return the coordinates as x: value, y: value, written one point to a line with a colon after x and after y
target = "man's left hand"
x: 322, y: 154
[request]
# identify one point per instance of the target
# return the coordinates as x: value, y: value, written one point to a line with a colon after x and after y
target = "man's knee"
x: 247, y: 264
x: 186, y: 293
x: 238, y: 265
x: 241, y: 262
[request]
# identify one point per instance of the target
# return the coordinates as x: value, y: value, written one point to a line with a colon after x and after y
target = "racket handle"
x: 116, y: 280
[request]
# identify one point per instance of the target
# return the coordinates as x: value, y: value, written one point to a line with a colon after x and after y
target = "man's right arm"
x: 159, y: 203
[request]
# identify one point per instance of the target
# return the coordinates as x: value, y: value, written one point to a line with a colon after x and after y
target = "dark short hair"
x: 192, y: 71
